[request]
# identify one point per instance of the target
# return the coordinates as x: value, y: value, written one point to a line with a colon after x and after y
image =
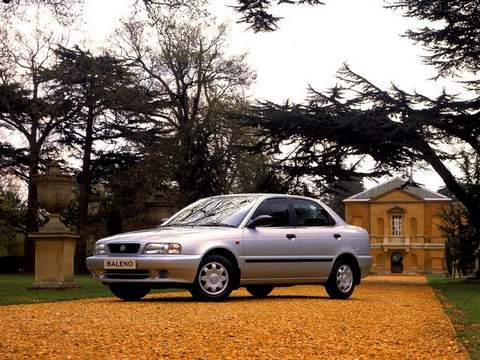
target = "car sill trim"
x: 288, y: 260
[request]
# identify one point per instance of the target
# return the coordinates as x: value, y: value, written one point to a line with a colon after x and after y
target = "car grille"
x: 126, y: 274
x: 127, y: 248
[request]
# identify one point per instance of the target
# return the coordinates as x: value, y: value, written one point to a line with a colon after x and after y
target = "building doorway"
x: 397, y: 262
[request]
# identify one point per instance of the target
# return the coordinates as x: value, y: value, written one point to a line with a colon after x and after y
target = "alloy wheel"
x: 213, y: 278
x: 344, y: 278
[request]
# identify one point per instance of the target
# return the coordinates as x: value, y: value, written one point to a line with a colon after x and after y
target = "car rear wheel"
x: 260, y: 291
x: 129, y: 292
x: 340, y: 284
x: 214, y: 280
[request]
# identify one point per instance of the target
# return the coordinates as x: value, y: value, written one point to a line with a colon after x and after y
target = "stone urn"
x: 158, y: 207
x: 54, y: 242
x: 54, y: 194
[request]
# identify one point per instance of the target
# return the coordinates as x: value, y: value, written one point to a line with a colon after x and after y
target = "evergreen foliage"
x: 463, y: 238
x: 452, y: 35
x: 12, y: 223
x: 258, y: 14
x: 462, y: 242
x: 337, y: 192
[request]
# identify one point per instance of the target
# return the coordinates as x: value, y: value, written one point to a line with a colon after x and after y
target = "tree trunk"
x: 32, y: 201
x: 32, y: 210
x: 84, y: 182
x: 184, y: 170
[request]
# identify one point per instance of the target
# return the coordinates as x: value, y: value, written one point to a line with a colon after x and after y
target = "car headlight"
x: 100, y: 249
x: 163, y: 248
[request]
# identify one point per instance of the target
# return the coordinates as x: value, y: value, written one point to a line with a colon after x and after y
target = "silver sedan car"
x: 221, y: 243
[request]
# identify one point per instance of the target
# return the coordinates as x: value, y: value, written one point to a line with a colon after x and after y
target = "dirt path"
x: 394, y: 317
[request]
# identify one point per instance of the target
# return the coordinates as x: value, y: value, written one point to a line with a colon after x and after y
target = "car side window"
x: 276, y: 208
x: 308, y: 213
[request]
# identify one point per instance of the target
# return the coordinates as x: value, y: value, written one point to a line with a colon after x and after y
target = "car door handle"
x: 291, y: 236
x: 337, y: 236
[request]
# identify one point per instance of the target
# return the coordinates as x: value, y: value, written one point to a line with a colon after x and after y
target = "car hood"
x: 171, y: 234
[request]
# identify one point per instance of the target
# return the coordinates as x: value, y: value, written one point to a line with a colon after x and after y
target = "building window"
x: 396, y: 225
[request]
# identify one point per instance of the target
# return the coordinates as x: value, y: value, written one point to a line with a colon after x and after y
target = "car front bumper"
x: 161, y: 269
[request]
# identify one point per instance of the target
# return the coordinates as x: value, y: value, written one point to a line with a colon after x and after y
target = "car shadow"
x: 188, y: 299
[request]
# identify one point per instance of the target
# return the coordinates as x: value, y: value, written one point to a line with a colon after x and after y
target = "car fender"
x: 224, y: 245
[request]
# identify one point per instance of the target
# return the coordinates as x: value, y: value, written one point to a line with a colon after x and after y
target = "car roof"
x: 266, y: 195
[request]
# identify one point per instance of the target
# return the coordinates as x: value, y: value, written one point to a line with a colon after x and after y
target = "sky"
x: 310, y: 45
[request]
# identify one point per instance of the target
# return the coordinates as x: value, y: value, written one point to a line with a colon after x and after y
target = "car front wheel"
x: 214, y: 280
x: 259, y: 291
x: 340, y: 284
x: 129, y: 292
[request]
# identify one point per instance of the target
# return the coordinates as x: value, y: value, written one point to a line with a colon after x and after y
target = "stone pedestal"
x: 54, y: 242
x: 54, y: 255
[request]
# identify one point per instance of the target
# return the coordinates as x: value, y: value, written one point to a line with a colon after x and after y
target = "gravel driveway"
x: 391, y: 317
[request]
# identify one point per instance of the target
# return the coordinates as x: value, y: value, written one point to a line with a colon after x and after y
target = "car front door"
x: 271, y: 252
x: 319, y: 239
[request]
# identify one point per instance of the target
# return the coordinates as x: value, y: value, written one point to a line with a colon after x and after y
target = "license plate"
x: 119, y: 264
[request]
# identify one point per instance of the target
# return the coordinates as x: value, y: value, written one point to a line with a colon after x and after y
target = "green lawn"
x: 461, y: 300
x: 13, y: 290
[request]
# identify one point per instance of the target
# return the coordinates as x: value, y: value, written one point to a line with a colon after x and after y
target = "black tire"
x: 129, y: 292
x: 226, y: 269
x: 336, y: 287
x: 259, y: 291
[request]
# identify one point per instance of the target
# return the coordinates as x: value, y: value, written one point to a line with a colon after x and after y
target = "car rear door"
x: 318, y: 236
x: 271, y: 252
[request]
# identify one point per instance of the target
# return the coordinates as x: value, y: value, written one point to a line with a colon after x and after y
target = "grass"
x: 461, y: 300
x: 13, y: 290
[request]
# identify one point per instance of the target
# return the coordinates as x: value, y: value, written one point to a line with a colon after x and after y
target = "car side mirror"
x: 261, y: 220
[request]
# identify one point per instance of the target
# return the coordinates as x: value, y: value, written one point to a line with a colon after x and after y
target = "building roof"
x: 398, y: 183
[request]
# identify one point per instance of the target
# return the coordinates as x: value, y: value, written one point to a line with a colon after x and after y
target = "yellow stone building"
x: 403, y: 221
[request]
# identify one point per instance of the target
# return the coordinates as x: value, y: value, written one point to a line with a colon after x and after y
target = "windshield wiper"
x: 211, y: 224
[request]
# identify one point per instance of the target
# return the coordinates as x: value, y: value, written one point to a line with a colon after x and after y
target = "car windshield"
x: 226, y: 211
